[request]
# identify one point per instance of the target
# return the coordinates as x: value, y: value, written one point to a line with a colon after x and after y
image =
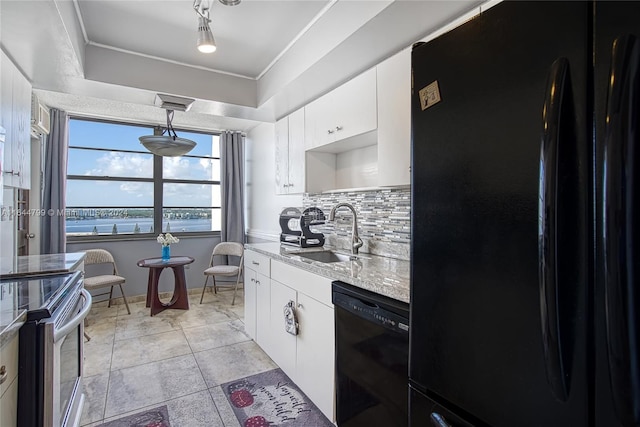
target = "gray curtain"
x: 53, y: 239
x: 232, y: 186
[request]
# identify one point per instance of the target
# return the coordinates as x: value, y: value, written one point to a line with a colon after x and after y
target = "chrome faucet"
x: 356, y: 241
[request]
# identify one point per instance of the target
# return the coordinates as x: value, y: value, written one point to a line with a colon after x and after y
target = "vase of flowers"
x: 166, y: 240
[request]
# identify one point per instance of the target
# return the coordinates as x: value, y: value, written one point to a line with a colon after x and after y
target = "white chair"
x: 224, y: 270
x: 101, y: 256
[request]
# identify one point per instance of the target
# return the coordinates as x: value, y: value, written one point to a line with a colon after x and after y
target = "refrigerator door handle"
x: 557, y: 83
x: 621, y: 228
x: 438, y: 420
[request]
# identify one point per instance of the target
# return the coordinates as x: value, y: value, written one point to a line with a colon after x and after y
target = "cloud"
x: 123, y: 164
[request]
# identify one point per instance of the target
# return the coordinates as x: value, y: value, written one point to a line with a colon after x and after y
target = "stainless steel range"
x: 51, y: 349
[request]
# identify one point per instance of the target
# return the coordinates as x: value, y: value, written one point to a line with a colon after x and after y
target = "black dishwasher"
x: 372, y: 358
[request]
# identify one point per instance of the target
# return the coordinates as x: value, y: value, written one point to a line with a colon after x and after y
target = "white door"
x: 282, y: 347
x: 315, y: 370
x: 263, y: 310
x: 250, y: 302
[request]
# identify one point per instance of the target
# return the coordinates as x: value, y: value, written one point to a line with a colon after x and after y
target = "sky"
x: 137, y: 165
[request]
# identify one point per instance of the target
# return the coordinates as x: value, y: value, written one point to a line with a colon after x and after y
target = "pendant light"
x: 169, y: 145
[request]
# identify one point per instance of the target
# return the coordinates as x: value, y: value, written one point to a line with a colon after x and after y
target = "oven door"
x: 63, y: 357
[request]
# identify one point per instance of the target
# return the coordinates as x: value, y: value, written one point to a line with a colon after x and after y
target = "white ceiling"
x: 250, y: 35
x: 109, y: 58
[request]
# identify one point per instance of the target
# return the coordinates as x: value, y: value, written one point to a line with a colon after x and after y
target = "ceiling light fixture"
x: 168, y: 145
x: 206, y: 42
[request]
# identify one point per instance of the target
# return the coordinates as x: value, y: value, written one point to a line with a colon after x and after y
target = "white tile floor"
x: 177, y: 358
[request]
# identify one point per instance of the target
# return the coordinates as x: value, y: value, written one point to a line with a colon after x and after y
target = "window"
x: 116, y: 187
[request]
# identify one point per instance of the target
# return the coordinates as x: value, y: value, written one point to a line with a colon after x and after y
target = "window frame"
x: 157, y: 179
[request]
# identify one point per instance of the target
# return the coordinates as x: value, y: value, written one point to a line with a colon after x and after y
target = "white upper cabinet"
x: 290, y: 152
x: 394, y: 120
x: 15, y: 116
x: 348, y: 111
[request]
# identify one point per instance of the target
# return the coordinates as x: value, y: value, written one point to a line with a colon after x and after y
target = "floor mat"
x: 156, y: 417
x: 272, y: 399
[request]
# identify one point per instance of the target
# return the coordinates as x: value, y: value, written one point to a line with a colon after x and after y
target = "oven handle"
x: 64, y: 330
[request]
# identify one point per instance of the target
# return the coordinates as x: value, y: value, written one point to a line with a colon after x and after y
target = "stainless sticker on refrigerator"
x: 429, y: 95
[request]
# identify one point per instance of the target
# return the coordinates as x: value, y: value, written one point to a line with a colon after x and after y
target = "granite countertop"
x: 39, y: 264
x: 382, y: 275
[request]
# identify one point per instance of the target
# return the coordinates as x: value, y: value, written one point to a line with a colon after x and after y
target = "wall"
x: 127, y: 252
x: 7, y: 223
x: 263, y: 204
x: 384, y: 215
x: 384, y: 220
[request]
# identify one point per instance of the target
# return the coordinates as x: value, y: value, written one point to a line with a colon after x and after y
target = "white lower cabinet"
x: 315, y: 353
x: 9, y: 388
x: 250, y: 299
x: 263, y: 311
x: 283, y: 348
x: 309, y: 357
x: 256, y: 289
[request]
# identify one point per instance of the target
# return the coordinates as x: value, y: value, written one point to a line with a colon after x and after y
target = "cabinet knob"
x: 3, y: 374
x: 12, y: 172
x: 338, y: 128
x: 299, y: 306
x: 253, y: 280
x: 255, y: 263
x: 330, y: 131
x: 257, y: 282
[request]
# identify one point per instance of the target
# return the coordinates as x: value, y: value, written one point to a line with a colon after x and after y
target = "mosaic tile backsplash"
x: 384, y: 220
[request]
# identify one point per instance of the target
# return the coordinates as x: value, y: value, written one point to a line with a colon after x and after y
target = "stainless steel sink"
x: 327, y: 256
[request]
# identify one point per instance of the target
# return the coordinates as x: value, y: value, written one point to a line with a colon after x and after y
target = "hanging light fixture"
x: 169, y: 145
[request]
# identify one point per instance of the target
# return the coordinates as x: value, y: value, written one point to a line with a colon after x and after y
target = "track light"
x: 206, y: 42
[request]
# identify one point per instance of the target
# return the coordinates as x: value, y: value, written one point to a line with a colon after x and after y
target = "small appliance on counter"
x: 295, y: 225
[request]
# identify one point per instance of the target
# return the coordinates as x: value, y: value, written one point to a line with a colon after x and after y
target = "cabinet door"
x: 282, y: 156
x: 315, y: 370
x: 21, y: 125
x: 394, y: 120
x: 319, y: 121
x: 354, y: 106
x: 250, y: 301
x: 296, y: 152
x: 263, y: 310
x: 282, y: 348
x: 6, y: 102
x: 9, y: 406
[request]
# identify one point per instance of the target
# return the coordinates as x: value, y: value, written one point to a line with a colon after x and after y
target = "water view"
x: 133, y: 225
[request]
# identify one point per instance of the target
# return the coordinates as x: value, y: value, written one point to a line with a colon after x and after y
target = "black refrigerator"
x: 525, y: 172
